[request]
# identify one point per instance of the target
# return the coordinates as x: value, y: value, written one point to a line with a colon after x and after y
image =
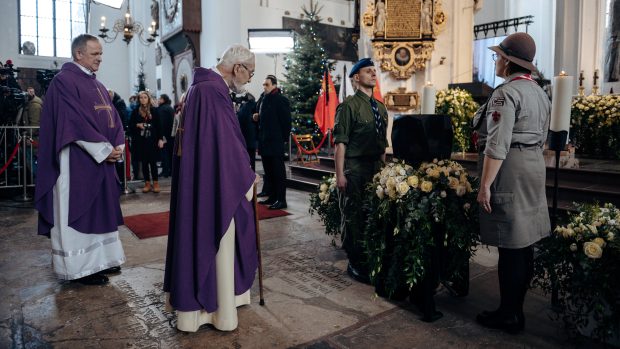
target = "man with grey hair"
x: 81, y: 139
x: 212, y: 259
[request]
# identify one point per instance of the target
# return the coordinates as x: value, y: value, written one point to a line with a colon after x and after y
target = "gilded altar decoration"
x: 401, y: 100
x: 402, y: 59
x: 403, y: 33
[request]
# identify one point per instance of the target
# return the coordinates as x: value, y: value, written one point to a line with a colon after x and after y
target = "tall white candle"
x: 562, y: 99
x: 428, y: 98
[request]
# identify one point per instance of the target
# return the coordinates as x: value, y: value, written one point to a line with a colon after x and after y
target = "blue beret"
x: 362, y: 63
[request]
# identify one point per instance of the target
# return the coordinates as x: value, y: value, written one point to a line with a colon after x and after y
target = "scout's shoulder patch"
x: 496, y: 116
x: 498, y: 101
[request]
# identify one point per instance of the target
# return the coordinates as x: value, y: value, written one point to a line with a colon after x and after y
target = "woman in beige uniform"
x: 512, y: 129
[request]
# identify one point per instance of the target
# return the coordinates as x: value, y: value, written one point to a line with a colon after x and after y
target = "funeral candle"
x: 562, y: 99
x: 428, y: 98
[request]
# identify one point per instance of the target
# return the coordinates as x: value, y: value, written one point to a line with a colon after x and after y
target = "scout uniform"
x: 357, y: 127
x: 512, y: 126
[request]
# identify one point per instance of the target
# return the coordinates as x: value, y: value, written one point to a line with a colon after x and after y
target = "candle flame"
x: 563, y: 73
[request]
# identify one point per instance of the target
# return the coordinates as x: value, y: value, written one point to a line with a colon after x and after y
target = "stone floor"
x: 310, y: 300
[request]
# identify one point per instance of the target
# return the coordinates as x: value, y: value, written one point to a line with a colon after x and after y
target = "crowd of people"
x: 208, y: 145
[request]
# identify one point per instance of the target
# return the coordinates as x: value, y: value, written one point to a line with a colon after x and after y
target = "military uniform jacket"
x: 513, y: 129
x: 355, y: 127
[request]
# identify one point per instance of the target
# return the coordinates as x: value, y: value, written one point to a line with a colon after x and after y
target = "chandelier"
x: 129, y: 28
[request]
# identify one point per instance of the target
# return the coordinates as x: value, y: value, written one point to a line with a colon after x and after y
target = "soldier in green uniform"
x: 360, y: 137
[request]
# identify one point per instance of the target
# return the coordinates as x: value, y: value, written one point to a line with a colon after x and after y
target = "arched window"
x: 46, y: 27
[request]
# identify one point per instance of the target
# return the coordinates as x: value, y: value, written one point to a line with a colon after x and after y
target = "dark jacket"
x: 249, y: 127
x: 145, y: 141
x: 121, y: 108
x: 166, y: 117
x: 274, y: 124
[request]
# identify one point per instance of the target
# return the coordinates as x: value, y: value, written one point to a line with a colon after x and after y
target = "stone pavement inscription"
x: 307, y: 274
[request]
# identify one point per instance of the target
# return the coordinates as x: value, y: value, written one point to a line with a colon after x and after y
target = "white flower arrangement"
x: 461, y: 107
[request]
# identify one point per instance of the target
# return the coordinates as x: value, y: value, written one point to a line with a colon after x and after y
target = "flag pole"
x: 260, y: 258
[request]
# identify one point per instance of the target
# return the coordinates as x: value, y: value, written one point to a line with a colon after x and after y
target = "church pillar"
x: 580, y: 38
x: 221, y: 27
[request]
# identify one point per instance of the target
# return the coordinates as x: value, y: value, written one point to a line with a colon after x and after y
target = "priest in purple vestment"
x: 212, y: 259
x: 77, y: 188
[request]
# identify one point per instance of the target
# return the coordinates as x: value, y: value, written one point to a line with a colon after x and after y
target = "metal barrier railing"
x: 18, y: 157
x: 18, y: 160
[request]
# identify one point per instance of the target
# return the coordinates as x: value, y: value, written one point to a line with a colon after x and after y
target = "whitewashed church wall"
x: 118, y: 70
x: 542, y: 30
x: 9, y: 42
x: 267, y: 14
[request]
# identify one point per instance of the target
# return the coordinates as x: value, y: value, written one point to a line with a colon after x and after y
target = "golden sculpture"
x: 400, y: 100
x: 403, y: 33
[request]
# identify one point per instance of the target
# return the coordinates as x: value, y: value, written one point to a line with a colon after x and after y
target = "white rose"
x: 403, y: 188
x: 592, y: 250
x: 323, y: 187
x: 443, y: 194
x: 592, y: 229
x: 599, y: 241
x: 380, y: 192
x: 322, y: 196
x: 610, y: 236
x: 461, y: 190
x: 413, y: 181
x: 573, y: 247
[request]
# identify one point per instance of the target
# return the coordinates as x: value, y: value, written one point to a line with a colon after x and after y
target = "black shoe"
x: 278, y: 205
x: 113, y: 270
x: 262, y: 194
x: 512, y: 324
x: 436, y: 315
x: 357, y: 275
x: 94, y: 279
x: 268, y: 202
x: 486, y: 314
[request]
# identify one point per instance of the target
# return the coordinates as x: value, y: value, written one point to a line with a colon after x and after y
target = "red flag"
x: 376, y: 92
x: 325, y: 110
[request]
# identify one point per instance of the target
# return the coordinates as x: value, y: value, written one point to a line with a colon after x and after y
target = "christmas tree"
x: 304, y: 69
x: 141, y: 86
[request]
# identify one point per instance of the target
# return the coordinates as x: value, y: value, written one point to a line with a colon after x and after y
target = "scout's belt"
x: 513, y: 145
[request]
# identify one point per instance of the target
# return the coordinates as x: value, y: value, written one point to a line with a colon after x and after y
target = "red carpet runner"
x: 150, y: 225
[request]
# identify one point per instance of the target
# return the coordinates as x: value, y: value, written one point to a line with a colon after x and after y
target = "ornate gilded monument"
x: 403, y: 33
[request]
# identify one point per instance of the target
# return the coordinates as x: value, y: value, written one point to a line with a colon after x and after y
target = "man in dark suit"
x: 166, y: 117
x: 274, y: 118
x: 248, y: 126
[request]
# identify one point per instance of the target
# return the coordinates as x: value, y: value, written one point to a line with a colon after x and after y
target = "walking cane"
x: 260, y: 259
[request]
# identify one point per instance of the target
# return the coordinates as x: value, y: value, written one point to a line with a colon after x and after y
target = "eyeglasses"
x: 248, y: 70
x: 494, y: 56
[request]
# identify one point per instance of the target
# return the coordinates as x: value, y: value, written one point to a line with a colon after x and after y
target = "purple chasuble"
x: 209, y: 181
x: 78, y: 108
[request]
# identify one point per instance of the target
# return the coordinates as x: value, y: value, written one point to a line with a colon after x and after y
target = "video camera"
x: 44, y: 77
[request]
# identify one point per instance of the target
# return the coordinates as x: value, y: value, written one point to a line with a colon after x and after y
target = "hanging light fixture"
x: 128, y: 28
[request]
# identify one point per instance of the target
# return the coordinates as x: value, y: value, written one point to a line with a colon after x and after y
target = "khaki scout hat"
x: 518, y: 48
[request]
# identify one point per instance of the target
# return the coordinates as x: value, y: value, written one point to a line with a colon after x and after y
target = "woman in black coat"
x: 146, y: 129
